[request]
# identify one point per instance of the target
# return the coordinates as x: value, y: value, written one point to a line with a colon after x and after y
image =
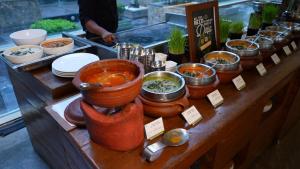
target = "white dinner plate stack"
x: 171, y: 66
x: 68, y: 65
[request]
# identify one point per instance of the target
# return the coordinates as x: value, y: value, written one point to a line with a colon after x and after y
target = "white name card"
x: 261, y: 69
x: 275, y: 59
x: 294, y: 45
x: 154, y: 128
x: 191, y: 115
x: 215, y: 98
x: 239, y: 82
x: 287, y: 50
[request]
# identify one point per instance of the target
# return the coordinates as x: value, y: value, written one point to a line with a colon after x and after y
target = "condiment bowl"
x: 156, y: 86
x: 225, y: 60
x: 264, y: 42
x: 29, y: 36
x: 23, y: 53
x: 204, y: 74
x: 112, y: 95
x: 245, y: 49
x: 57, y: 46
x: 276, y: 36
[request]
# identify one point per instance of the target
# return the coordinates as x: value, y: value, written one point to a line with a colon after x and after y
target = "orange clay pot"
x: 111, y: 96
x: 197, y: 92
x: 250, y: 62
x: 227, y: 75
x: 122, y: 131
x: 166, y: 109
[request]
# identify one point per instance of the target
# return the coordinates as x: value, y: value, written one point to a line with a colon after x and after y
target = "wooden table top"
x: 204, y: 135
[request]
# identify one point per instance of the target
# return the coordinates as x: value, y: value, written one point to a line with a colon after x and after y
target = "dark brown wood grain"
x: 236, y: 131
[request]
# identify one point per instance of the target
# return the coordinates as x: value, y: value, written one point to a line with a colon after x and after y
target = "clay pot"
x: 226, y: 76
x: 250, y: 62
x: 74, y: 114
x: 122, y: 131
x: 111, y: 96
x: 197, y: 92
x: 166, y: 109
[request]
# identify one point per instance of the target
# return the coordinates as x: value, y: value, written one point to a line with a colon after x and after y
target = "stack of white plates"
x: 171, y: 66
x: 68, y: 65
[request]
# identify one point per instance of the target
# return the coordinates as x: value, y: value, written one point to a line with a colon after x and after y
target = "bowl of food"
x: 276, y: 28
x: 57, y: 46
x: 196, y: 73
x: 222, y: 60
x: 264, y: 42
x: 290, y: 26
x: 24, y: 53
x: 276, y: 36
x: 29, y: 37
x: 110, y: 83
x: 163, y: 86
x: 242, y: 47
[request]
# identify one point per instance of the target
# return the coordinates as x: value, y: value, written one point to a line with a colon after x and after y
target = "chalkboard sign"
x: 203, y: 28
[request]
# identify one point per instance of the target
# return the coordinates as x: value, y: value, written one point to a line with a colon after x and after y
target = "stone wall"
x: 18, y: 14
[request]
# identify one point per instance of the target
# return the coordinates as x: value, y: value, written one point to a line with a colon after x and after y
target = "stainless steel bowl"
x: 233, y: 58
x: 164, y: 97
x: 290, y: 25
x: 264, y: 42
x: 194, y: 81
x: 276, y: 36
x: 244, y: 52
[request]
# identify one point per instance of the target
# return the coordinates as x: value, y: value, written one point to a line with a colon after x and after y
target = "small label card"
x: 215, y: 98
x: 239, y: 82
x: 154, y: 128
x: 275, y: 58
x: 294, y: 45
x: 287, y: 50
x: 191, y: 115
x: 261, y: 69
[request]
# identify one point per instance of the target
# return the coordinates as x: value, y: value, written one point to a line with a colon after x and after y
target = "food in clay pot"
x: 110, y: 83
x: 57, y: 46
x: 200, y: 79
x: 227, y: 64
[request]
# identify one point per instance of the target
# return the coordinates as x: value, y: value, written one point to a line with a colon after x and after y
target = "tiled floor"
x: 16, y: 152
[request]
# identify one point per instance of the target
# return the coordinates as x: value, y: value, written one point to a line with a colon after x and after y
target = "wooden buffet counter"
x: 236, y: 132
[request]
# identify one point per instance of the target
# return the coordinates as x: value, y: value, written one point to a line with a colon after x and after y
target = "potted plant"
x: 255, y: 22
x: 224, y: 30
x: 176, y: 46
x: 236, y: 30
x: 269, y: 13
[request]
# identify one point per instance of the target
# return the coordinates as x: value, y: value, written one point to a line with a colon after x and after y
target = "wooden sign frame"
x: 190, y: 9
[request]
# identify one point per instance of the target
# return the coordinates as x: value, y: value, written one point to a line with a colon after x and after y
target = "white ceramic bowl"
x: 29, y: 36
x: 57, y: 50
x: 15, y: 54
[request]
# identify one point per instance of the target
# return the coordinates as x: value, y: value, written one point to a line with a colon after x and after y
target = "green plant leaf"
x: 236, y: 27
x: 54, y: 25
x: 176, y: 42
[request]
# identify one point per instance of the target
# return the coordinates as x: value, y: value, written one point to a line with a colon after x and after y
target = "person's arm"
x: 89, y: 24
x: 94, y: 28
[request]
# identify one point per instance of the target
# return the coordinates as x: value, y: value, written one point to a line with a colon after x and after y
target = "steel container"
x: 244, y: 52
x: 211, y: 57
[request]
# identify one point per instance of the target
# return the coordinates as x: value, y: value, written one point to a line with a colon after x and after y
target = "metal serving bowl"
x: 232, y: 58
x: 290, y: 25
x: 276, y: 36
x: 264, y: 42
x: 164, y: 97
x: 197, y: 67
x: 251, y: 51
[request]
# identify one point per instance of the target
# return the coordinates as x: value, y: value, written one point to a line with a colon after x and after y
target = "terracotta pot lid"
x: 74, y: 114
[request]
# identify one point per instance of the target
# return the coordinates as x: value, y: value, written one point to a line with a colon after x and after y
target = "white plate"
x: 73, y: 62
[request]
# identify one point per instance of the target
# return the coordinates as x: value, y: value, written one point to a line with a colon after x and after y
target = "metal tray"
x: 45, y: 60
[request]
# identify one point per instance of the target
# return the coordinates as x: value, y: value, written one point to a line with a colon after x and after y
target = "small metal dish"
x: 232, y: 58
x: 276, y: 36
x: 249, y: 52
x: 197, y: 67
x: 264, y: 42
x: 164, y: 96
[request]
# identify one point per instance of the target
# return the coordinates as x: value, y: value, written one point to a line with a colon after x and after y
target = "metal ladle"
x: 175, y: 137
x: 258, y: 36
x: 90, y: 86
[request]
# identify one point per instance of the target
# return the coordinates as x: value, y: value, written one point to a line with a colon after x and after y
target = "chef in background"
x: 99, y: 18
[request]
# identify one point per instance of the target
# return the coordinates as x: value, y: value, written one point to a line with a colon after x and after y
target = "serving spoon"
x: 175, y: 137
x: 252, y: 42
x: 90, y: 86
